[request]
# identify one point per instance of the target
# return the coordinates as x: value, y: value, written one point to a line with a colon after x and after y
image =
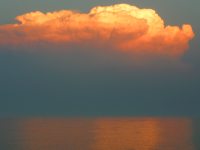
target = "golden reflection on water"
x: 128, y: 134
x: 106, y: 134
x: 143, y: 134
x: 56, y: 134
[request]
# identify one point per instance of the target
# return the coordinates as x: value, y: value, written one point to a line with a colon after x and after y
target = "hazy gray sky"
x: 40, y: 83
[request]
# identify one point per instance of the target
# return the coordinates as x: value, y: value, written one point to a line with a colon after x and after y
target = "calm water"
x: 100, y: 134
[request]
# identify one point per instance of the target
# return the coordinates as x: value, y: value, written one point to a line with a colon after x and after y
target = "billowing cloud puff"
x: 120, y: 27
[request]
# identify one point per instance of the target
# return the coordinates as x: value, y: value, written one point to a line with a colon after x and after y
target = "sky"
x: 108, y: 61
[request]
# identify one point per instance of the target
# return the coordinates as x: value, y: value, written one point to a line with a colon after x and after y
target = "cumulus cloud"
x: 121, y: 27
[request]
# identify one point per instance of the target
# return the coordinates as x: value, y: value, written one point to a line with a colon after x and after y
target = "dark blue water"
x: 100, y: 134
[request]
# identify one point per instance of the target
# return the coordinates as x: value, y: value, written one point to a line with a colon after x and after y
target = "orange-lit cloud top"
x: 121, y: 27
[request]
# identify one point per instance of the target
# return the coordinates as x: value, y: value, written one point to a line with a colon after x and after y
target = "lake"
x: 100, y: 134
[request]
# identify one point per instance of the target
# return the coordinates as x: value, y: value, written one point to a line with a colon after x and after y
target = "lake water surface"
x: 100, y: 134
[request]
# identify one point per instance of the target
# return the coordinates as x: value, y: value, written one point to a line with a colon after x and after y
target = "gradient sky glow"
x: 51, y: 79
